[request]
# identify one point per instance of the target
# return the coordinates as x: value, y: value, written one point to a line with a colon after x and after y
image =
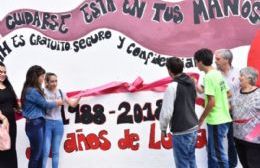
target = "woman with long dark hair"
x: 8, y: 104
x: 34, y: 106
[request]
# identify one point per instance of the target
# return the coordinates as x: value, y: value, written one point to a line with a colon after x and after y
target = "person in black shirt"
x: 8, y: 106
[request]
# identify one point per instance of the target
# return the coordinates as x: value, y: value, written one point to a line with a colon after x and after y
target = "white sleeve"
x: 168, y: 106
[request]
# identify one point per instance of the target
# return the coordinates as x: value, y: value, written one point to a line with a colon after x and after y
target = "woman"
x: 34, y: 106
x: 53, y: 123
x: 246, y: 116
x: 8, y: 104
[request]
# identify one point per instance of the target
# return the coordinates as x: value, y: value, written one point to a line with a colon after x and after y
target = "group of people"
x: 232, y: 111
x: 41, y: 107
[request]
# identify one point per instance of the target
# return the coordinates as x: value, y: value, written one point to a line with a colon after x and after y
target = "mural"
x: 112, y: 53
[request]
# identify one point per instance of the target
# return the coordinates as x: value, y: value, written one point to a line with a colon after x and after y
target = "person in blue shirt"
x: 34, y: 107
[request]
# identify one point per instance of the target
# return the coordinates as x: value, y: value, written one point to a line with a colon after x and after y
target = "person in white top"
x: 223, y: 60
x: 54, y: 124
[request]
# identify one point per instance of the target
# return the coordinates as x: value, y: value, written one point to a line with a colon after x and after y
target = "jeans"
x: 232, y: 152
x: 52, y: 140
x: 184, y: 150
x: 217, y: 156
x: 34, y: 129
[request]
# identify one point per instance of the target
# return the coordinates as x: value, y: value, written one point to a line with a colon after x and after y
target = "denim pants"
x: 217, y: 154
x: 232, y: 152
x: 52, y: 140
x: 34, y: 129
x: 184, y: 150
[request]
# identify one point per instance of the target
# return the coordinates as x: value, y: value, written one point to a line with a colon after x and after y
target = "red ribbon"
x: 123, y: 87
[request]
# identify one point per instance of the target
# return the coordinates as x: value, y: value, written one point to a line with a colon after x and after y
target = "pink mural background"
x: 163, y: 37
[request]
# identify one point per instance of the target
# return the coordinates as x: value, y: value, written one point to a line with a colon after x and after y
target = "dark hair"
x: 205, y: 55
x: 48, y: 75
x: 9, y: 86
x: 31, y: 80
x: 175, y: 65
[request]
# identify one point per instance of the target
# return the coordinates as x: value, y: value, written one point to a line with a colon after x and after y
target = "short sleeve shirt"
x: 215, y: 85
x: 232, y: 79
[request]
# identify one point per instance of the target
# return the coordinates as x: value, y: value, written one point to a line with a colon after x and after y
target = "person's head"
x: 174, y: 65
x: 34, y: 78
x: 248, y: 76
x: 3, y: 76
x: 51, y: 81
x: 223, y: 58
x: 203, y: 58
x: 4, y: 79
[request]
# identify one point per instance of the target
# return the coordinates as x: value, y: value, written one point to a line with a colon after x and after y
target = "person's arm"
x: 257, y: 103
x: 229, y: 94
x: 35, y: 97
x: 73, y: 102
x: 17, y: 106
x: 208, y: 108
x: 200, y: 89
x: 209, y: 91
x: 167, y: 108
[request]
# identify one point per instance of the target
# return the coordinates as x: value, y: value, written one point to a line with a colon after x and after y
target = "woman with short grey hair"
x: 251, y: 74
x: 246, y: 116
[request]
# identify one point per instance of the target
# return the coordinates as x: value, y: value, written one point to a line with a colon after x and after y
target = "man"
x: 223, y: 60
x: 216, y: 110
x: 178, y: 111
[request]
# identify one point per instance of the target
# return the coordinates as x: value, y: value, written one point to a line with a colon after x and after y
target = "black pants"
x: 248, y: 153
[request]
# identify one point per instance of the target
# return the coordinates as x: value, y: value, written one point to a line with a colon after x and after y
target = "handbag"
x: 5, y: 140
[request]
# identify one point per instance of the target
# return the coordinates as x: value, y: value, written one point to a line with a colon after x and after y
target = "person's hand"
x: 59, y: 102
x: 19, y: 107
x: 163, y: 133
x: 5, y: 122
x: 194, y: 80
